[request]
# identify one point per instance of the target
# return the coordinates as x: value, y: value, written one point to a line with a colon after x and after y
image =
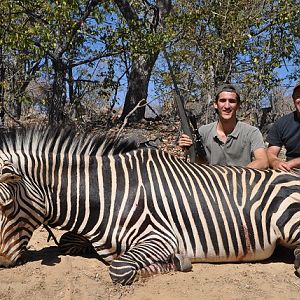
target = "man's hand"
x: 281, y: 165
x: 185, y: 141
x: 275, y: 162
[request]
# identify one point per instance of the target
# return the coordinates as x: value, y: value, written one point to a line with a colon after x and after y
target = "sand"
x: 50, y: 275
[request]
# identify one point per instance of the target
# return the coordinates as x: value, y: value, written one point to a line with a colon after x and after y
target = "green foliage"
x: 93, y: 44
x: 241, y: 41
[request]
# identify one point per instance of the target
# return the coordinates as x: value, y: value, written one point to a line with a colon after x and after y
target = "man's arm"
x: 260, y: 159
x: 275, y: 162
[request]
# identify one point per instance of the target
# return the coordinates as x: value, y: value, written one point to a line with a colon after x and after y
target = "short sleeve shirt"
x: 286, y: 132
x: 238, y: 148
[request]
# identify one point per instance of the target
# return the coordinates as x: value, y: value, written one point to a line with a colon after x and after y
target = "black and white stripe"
x: 143, y: 210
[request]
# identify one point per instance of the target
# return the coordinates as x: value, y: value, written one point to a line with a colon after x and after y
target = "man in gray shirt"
x: 229, y: 141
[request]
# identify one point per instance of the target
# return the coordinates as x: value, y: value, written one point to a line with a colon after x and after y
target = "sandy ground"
x: 49, y: 275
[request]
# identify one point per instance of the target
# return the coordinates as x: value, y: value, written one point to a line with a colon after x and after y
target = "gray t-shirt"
x: 237, y: 150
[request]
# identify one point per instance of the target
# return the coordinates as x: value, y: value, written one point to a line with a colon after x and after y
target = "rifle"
x: 196, y: 150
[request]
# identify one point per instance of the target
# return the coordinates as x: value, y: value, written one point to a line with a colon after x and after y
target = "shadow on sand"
x: 51, y: 256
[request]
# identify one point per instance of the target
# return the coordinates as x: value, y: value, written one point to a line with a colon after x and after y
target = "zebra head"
x: 16, y: 227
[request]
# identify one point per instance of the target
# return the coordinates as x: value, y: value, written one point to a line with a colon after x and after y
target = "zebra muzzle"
x: 7, y: 263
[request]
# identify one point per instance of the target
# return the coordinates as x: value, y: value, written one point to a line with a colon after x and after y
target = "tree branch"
x: 141, y: 103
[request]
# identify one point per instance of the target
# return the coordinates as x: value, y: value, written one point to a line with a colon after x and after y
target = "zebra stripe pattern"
x: 142, y: 210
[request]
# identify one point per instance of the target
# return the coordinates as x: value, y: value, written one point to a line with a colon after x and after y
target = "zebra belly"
x: 257, y: 255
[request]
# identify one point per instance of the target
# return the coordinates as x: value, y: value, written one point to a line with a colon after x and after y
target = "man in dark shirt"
x: 286, y: 132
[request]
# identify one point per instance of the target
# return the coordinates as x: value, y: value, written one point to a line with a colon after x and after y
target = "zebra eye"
x: 14, y: 177
x: 10, y: 178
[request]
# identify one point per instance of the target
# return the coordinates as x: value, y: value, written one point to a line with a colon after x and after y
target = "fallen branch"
x: 139, y: 105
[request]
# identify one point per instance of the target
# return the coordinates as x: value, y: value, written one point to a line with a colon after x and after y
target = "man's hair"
x: 297, y: 86
x: 227, y: 88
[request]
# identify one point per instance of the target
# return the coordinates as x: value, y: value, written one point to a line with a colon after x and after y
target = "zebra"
x: 143, y: 210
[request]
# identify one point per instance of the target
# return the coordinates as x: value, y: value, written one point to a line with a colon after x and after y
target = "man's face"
x: 296, y: 98
x: 227, y: 105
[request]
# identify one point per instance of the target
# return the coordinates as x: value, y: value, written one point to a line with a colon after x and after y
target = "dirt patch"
x: 49, y: 275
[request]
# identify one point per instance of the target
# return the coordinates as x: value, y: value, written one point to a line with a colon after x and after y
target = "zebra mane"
x: 57, y: 139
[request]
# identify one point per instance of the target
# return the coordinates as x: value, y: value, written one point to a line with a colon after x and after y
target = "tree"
x: 145, y: 44
x: 59, y: 34
x: 230, y: 41
x: 90, y: 45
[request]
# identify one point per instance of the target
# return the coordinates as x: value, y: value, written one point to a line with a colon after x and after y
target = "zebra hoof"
x: 182, y: 263
x: 297, y: 260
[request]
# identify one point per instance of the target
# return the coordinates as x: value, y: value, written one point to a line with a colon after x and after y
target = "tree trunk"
x: 58, y: 99
x: 142, y: 65
x: 71, y: 84
x: 138, y: 83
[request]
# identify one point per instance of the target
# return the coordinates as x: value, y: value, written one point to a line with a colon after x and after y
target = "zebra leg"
x: 297, y: 260
x: 123, y: 270
x: 75, y: 244
x: 146, y: 259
